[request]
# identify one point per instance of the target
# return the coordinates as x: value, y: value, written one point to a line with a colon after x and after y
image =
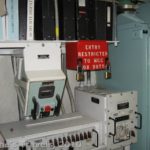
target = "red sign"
x: 92, y: 53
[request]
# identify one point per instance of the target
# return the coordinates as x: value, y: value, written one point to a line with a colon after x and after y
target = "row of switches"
x: 72, y: 138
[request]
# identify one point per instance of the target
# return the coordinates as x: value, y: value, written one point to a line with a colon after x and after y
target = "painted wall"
x: 144, y: 11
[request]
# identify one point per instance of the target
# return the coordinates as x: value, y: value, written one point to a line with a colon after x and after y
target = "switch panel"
x: 66, y: 140
x: 70, y: 131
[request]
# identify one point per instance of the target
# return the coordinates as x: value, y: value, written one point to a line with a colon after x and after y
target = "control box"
x: 67, y: 132
x: 41, y: 83
x: 90, y: 54
x: 117, y: 112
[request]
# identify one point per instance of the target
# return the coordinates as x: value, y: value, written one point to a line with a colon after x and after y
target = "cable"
x: 70, y: 94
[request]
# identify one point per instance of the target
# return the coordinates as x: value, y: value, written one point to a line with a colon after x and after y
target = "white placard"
x: 82, y: 3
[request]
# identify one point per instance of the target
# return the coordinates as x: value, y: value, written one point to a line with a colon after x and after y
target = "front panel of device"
x: 117, y: 111
x: 79, y: 137
x: 121, y: 117
x: 44, y: 98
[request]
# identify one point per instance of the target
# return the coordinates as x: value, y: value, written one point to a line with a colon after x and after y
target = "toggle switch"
x: 55, y: 142
x: 89, y: 135
x: 69, y: 139
x: 60, y: 141
x: 73, y: 138
x: 77, y: 138
x: 81, y: 137
x: 64, y: 140
x: 85, y: 136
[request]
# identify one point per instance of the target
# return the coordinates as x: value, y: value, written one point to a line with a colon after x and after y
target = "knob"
x: 70, y: 148
x: 51, y: 143
x: 132, y: 133
x: 55, y: 142
x: 69, y: 139
x: 60, y: 141
x: 77, y: 138
x: 22, y: 148
x: 81, y: 137
x: 64, y: 140
x: 89, y: 135
x: 73, y: 138
x: 85, y: 136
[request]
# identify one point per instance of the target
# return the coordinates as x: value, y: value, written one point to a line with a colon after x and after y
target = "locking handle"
x: 115, y: 131
x: 113, y: 134
x: 97, y: 144
x: 140, y: 126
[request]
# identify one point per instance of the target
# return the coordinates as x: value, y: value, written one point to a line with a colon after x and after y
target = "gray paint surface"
x: 8, y: 96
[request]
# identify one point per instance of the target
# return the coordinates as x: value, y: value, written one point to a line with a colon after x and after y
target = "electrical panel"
x: 117, y: 111
x: 90, y: 54
x: 67, y: 132
x: 46, y: 97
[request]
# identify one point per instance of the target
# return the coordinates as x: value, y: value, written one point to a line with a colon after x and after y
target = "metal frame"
x: 17, y: 47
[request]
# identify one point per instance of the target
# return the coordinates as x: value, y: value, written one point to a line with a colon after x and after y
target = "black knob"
x: 81, y: 137
x: 132, y: 133
x: 73, y: 138
x: 51, y: 143
x: 64, y: 140
x: 69, y: 139
x: 85, y: 136
x: 55, y: 142
x: 22, y: 147
x: 89, y: 135
x: 77, y: 138
x: 70, y: 148
x: 60, y: 141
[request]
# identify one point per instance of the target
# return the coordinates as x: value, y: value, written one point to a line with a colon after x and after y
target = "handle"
x: 113, y: 134
x: 140, y: 115
x: 35, y: 108
x: 97, y: 143
x: 58, y: 107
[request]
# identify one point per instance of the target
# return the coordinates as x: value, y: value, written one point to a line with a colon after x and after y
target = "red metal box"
x: 92, y: 53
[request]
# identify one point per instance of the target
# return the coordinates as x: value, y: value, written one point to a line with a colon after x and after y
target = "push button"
x: 47, y: 108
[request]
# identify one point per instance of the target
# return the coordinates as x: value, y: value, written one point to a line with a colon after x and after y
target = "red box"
x: 92, y: 53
